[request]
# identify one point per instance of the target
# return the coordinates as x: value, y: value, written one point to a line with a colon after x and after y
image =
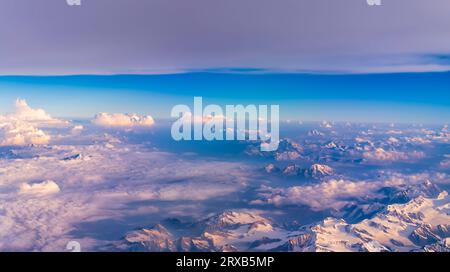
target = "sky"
x: 408, y: 97
x: 167, y: 36
x: 321, y: 59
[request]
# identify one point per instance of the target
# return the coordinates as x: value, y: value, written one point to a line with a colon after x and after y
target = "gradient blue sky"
x: 408, y: 97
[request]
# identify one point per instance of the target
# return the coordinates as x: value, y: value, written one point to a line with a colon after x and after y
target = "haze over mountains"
x: 119, y: 183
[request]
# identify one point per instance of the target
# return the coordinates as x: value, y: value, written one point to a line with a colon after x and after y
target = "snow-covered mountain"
x: 287, y: 150
x: 315, y: 132
x: 227, y: 231
x: 315, y: 171
x: 318, y: 171
x: 271, y: 168
x: 367, y: 208
x: 422, y: 224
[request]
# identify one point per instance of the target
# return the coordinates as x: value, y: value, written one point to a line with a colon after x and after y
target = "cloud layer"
x: 94, y: 185
x: 380, y: 154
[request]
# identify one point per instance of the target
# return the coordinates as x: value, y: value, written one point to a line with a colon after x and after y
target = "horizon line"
x: 233, y: 71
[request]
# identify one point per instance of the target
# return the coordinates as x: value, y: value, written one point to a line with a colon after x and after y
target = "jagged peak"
x: 233, y: 217
x: 442, y: 195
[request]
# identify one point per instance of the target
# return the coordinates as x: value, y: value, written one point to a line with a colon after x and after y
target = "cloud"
x: 336, y: 193
x: 417, y: 140
x: 21, y: 126
x: 446, y: 162
x: 21, y: 133
x: 328, y: 194
x: 189, y: 117
x: 393, y: 140
x: 123, y: 120
x: 25, y: 113
x: 115, y: 183
x: 47, y: 187
x: 77, y: 129
x: 37, y: 117
x: 39, y: 223
x: 380, y: 154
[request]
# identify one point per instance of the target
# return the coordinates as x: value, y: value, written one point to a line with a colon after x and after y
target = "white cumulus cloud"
x: 123, y: 120
x: 37, y: 117
x: 22, y: 126
x: 47, y: 187
x: 24, y: 112
x: 21, y: 133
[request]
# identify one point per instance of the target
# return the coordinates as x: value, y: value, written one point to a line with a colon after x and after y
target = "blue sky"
x: 398, y: 97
